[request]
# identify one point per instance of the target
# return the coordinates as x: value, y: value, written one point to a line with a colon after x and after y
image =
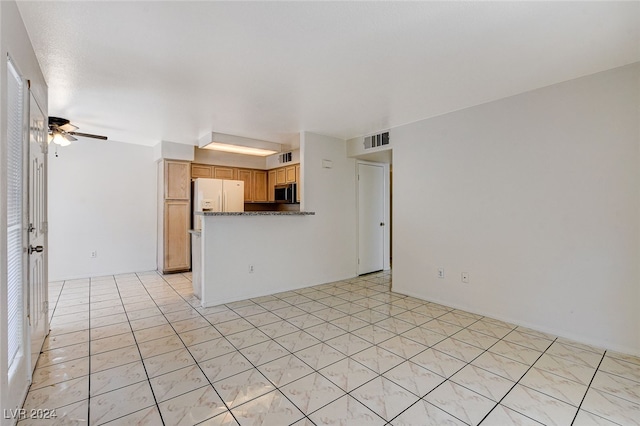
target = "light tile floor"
x: 138, y: 349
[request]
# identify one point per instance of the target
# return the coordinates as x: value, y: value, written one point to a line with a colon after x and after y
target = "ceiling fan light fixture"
x: 62, y: 133
x: 59, y: 139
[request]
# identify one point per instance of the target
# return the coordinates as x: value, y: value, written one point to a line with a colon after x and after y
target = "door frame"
x: 386, y: 244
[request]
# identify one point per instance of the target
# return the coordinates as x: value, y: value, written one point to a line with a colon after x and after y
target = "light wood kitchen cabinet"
x: 272, y: 186
x: 177, y: 246
x: 228, y: 173
x: 176, y: 180
x: 290, y: 174
x: 259, y: 185
x: 245, y: 175
x: 298, y: 186
x: 174, y: 216
x: 259, y: 190
x: 201, y: 171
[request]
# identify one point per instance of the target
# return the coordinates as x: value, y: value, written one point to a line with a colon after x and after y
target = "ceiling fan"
x: 62, y: 132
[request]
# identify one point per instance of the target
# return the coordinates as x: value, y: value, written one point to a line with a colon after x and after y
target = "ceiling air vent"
x: 285, y: 158
x: 376, y: 141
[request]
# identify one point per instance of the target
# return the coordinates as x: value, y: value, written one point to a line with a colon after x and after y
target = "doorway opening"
x: 374, y: 214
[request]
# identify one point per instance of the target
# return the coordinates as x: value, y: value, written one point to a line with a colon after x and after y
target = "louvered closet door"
x: 17, y: 351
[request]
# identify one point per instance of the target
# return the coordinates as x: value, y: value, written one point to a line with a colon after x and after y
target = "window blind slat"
x: 15, y: 284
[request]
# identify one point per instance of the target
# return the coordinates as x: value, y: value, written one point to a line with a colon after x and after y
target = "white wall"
x: 173, y: 151
x: 15, y: 42
x: 102, y: 197
x: 331, y: 193
x: 537, y: 197
x: 288, y: 251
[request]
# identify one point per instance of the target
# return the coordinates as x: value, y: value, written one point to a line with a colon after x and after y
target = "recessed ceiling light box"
x: 238, y: 145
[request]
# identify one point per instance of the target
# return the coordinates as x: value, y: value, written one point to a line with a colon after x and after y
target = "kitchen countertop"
x: 263, y: 213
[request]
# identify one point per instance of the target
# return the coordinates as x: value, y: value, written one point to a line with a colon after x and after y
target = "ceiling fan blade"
x: 88, y: 135
x: 68, y: 127
x: 57, y: 121
x: 68, y: 137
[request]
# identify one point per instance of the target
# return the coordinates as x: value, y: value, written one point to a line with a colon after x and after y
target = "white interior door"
x: 14, y: 307
x: 38, y: 308
x: 370, y: 218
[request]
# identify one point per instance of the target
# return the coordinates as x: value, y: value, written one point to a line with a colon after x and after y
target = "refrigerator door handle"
x: 219, y: 202
x: 224, y: 208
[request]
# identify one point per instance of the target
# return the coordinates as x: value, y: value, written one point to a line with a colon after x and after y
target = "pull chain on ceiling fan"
x: 62, y: 132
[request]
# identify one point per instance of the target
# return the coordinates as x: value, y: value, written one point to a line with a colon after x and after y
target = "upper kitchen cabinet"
x: 201, y: 171
x: 290, y: 174
x: 177, y: 180
x: 260, y: 186
x: 220, y: 172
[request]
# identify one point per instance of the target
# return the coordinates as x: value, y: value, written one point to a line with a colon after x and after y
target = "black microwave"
x: 285, y: 193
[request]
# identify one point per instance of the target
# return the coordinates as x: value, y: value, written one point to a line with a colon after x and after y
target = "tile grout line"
x: 55, y: 306
x: 41, y: 351
x: 276, y: 388
x: 380, y: 375
x: 139, y: 353
x: 518, y: 381
x: 299, y: 329
x: 347, y: 393
x: 187, y: 349
x: 255, y: 327
x: 293, y: 353
x: 300, y: 359
x: 445, y: 337
x: 589, y: 387
x: 273, y: 340
x: 446, y: 379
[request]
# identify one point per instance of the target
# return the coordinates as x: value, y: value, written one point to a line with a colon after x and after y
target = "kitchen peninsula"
x: 240, y: 255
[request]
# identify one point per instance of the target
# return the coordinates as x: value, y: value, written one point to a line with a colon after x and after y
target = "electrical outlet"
x: 465, y: 277
x: 94, y: 254
x: 251, y: 269
x: 440, y: 272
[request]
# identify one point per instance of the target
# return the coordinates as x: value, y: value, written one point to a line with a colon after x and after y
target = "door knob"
x: 38, y: 249
x: 381, y: 223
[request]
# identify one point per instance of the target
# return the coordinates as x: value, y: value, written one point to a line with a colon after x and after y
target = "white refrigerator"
x: 216, y: 195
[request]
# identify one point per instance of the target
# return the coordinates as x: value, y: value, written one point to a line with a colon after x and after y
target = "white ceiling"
x: 142, y: 72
